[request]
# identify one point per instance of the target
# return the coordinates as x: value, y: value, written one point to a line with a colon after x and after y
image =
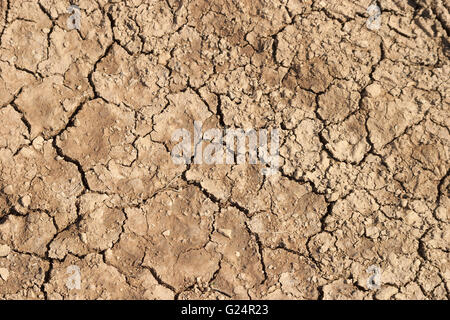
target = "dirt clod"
x: 90, y: 194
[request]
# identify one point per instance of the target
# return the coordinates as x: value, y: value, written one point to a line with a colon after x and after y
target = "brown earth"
x: 86, y: 177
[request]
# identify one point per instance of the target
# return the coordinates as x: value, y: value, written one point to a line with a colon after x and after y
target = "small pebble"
x: 4, y: 273
x: 25, y: 201
x: 404, y: 203
x: 38, y: 143
x: 8, y: 189
x: 4, y: 250
x: 225, y: 232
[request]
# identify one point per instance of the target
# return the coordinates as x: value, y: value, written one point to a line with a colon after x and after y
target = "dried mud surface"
x: 86, y: 176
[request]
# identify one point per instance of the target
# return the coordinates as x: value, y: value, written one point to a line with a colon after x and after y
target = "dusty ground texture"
x: 86, y: 177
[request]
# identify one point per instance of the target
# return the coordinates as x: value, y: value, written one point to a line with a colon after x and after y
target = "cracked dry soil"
x: 86, y: 177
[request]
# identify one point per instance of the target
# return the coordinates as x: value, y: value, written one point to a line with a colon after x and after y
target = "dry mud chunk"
x: 152, y: 171
x: 213, y: 179
x: 386, y: 293
x: 241, y: 184
x: 347, y: 140
x: 240, y: 267
x: 149, y: 288
x: 29, y: 234
x: 411, y: 291
x: 188, y: 63
x: 132, y: 80
x: 243, y: 70
x: 169, y: 235
x: 4, y: 250
x: 11, y: 81
x: 97, y: 228
x: 115, y: 161
x: 442, y: 211
x: 400, y: 7
x: 129, y: 250
x: 340, y: 290
x: 101, y: 227
x: 107, y: 135
x: 390, y: 116
x: 341, y: 178
x: 420, y: 159
x: 430, y: 281
x: 404, y: 76
x: 295, y: 106
x: 233, y: 20
x: 178, y: 250
x: 289, y: 276
x: 413, y: 44
x: 316, y: 62
x: 438, y: 239
x: 49, y: 105
x: 69, y: 47
x: 360, y: 233
x: 64, y: 49
x: 138, y: 26
x: 343, y: 10
x: 26, y: 18
x: 51, y: 182
x: 246, y: 190
x: 13, y: 131
x: 302, y: 148
x: 293, y: 216
x: 183, y: 110
x: 339, y: 100
x: 127, y: 256
x: 4, y: 205
x: 97, y: 280
x: 245, y: 113
x: 26, y: 274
